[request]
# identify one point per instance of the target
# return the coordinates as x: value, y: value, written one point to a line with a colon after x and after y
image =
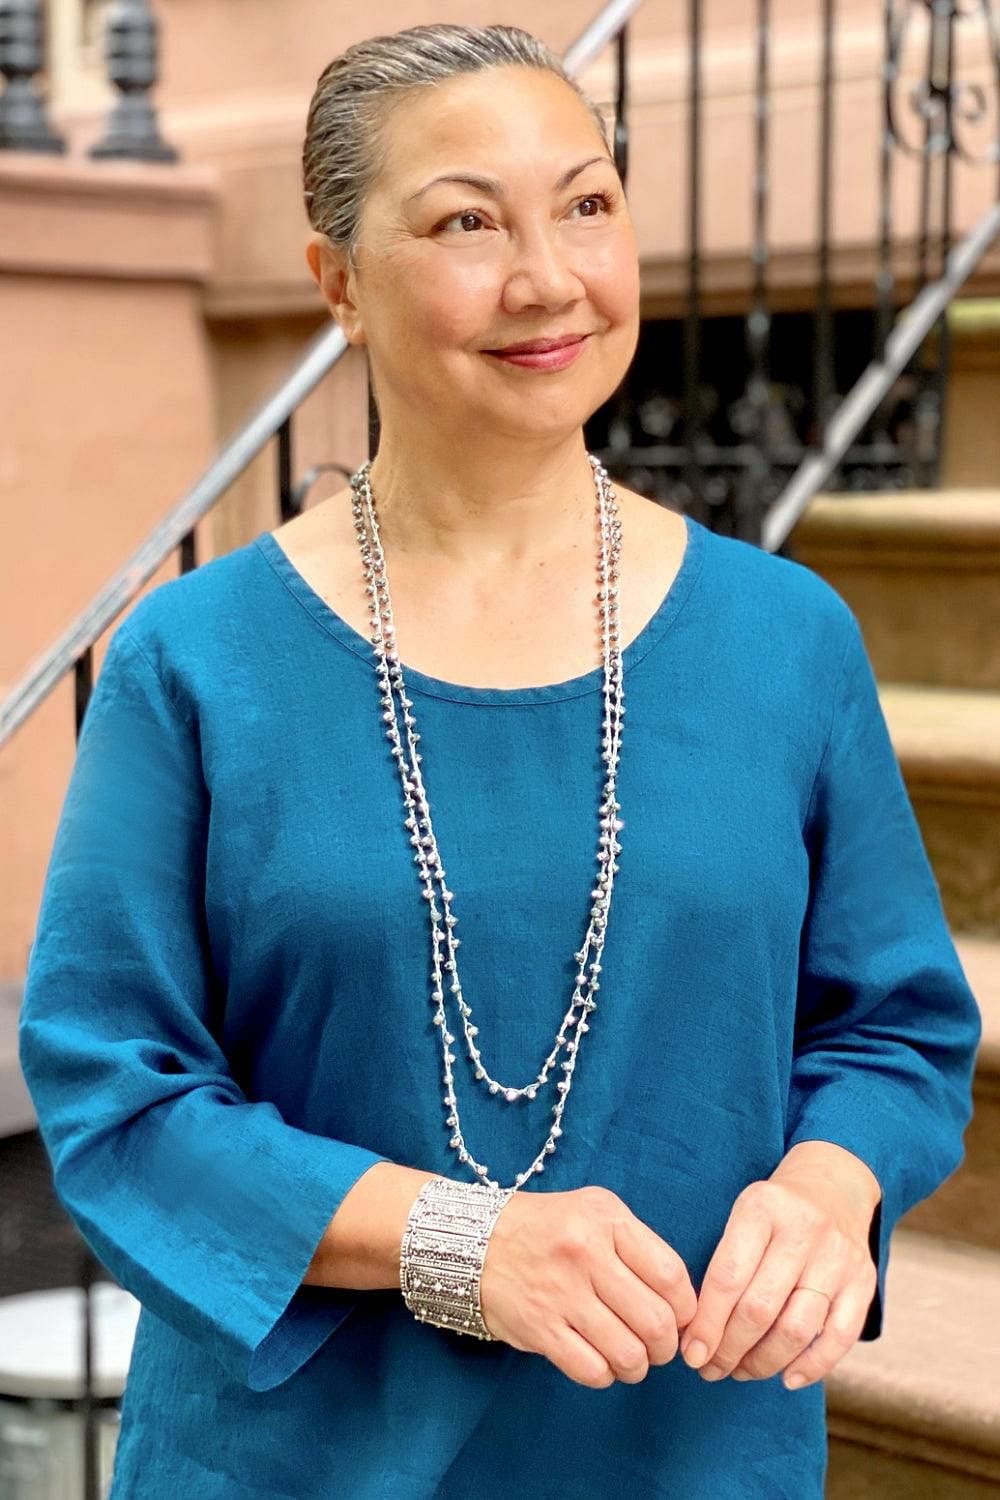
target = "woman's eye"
x: 604, y: 199
x: 468, y: 213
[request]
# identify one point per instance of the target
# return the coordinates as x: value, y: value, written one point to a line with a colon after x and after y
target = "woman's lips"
x: 547, y: 359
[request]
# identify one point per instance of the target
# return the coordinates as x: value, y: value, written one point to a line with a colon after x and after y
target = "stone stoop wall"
x: 108, y: 395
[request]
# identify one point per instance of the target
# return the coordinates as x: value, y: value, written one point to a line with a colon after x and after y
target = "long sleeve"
x: 206, y: 1206
x: 887, y: 1027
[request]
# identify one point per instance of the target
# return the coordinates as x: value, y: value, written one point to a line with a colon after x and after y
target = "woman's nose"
x: 541, y: 270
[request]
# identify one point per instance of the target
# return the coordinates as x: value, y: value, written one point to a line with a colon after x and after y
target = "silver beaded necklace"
x: 418, y: 819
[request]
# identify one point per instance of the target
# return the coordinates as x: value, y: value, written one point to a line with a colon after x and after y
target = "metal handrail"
x: 911, y: 328
x: 603, y: 29
x: 322, y: 353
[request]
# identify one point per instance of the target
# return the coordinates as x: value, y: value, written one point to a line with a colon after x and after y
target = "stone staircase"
x: 915, y: 1414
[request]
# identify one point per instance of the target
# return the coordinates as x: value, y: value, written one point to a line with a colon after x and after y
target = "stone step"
x: 948, y: 744
x: 967, y: 1206
x: 921, y: 570
x: 915, y: 1413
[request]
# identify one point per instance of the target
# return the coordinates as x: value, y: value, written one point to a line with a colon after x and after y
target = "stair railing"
x: 868, y: 393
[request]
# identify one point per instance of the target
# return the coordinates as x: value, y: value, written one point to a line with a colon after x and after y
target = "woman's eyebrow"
x: 495, y: 188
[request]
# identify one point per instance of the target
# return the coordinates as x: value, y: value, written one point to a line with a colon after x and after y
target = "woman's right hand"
x: 579, y: 1278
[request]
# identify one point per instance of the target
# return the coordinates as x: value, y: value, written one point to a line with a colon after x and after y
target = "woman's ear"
x: 335, y: 280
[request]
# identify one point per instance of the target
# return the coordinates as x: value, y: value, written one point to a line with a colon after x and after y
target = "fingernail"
x: 740, y: 1375
x: 793, y: 1382
x: 712, y: 1372
x: 696, y: 1353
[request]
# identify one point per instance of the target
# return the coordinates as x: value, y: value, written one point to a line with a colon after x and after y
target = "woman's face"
x: 448, y: 271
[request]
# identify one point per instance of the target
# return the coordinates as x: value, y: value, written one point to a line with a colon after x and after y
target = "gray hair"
x: 344, y: 150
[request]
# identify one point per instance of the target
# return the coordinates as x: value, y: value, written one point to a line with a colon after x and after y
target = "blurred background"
x: 815, y: 186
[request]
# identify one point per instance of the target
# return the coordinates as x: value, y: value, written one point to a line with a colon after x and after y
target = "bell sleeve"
x: 205, y: 1206
x: 887, y: 1027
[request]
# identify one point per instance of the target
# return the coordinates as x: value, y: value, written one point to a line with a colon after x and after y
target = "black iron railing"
x: 751, y: 469
x: 130, y: 59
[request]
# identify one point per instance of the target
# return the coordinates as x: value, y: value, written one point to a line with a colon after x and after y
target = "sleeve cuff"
x: 294, y: 1319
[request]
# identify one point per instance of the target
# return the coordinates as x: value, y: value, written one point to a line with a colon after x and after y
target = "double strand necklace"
x: 418, y: 820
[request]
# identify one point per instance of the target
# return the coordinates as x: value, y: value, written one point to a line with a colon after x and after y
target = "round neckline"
x: 437, y: 687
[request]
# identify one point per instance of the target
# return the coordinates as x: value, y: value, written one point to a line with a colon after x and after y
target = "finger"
x: 649, y: 1315
x: 804, y: 1312
x: 840, y: 1333
x: 759, y: 1309
x: 624, y: 1351
x: 800, y: 1321
x: 733, y: 1263
x: 577, y: 1358
x: 657, y: 1264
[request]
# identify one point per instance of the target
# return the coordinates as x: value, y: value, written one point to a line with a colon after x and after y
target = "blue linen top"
x: 228, y: 1015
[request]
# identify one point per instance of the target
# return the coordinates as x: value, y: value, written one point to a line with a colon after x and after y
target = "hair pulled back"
x: 344, y: 148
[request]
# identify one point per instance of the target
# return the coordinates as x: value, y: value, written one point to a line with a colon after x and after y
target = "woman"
x: 249, y: 1107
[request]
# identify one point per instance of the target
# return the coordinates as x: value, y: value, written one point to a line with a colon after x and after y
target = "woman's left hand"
x: 801, y: 1225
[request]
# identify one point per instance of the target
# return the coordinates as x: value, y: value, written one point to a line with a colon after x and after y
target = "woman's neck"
x: 511, y: 514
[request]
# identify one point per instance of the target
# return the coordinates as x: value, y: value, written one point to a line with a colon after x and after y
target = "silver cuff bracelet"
x: 443, y: 1251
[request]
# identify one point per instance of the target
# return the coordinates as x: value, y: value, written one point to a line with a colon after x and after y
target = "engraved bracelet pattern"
x: 443, y: 1252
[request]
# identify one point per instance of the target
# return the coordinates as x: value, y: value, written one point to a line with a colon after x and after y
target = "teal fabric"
x: 228, y: 1015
